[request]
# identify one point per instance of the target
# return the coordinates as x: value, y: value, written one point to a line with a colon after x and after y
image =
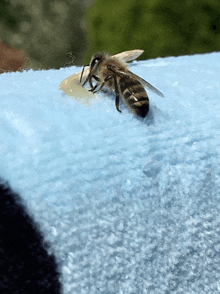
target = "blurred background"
x: 43, y: 34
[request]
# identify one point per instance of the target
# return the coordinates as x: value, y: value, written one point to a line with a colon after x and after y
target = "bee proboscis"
x: 113, y: 72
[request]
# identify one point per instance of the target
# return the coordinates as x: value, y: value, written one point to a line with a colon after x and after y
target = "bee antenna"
x: 82, y: 72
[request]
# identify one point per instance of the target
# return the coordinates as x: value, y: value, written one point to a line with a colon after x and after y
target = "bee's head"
x: 96, y: 60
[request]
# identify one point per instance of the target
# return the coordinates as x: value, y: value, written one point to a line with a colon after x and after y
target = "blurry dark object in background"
x: 10, y: 58
x: 52, y: 33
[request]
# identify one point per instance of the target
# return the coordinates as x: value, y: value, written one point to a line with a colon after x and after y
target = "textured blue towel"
x: 127, y: 205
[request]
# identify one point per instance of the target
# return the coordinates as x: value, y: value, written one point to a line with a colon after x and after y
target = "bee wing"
x: 129, y: 55
x: 146, y: 84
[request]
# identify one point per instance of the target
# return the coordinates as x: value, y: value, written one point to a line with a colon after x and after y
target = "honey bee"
x: 71, y: 87
x: 113, y: 72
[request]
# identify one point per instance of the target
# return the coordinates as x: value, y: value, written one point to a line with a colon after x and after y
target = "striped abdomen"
x: 134, y: 95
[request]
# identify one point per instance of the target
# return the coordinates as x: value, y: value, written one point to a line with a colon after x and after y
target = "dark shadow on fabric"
x: 26, y: 266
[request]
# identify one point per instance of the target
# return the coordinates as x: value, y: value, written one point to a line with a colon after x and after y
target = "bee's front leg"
x: 82, y: 74
x: 103, y: 83
x: 93, y: 88
x: 91, y: 85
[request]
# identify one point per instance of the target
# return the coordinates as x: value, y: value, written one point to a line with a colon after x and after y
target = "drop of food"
x: 71, y: 87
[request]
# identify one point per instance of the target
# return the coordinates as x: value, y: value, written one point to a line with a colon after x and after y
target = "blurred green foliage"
x: 160, y: 27
x: 51, y: 32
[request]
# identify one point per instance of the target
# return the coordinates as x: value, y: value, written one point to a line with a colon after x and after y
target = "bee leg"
x: 103, y: 83
x: 117, y: 95
x: 90, y: 83
x: 93, y: 88
x: 96, y: 78
x: 82, y: 73
x: 87, y: 79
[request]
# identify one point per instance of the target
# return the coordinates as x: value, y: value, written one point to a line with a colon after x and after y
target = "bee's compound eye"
x: 95, y: 60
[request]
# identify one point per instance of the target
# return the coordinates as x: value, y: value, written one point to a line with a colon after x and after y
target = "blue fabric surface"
x: 128, y: 205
